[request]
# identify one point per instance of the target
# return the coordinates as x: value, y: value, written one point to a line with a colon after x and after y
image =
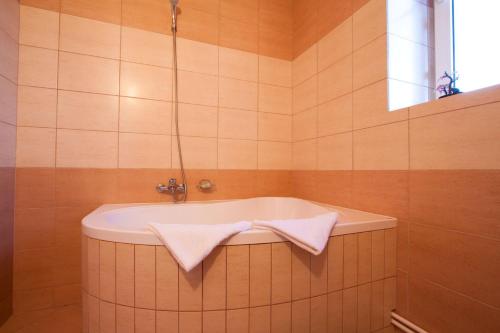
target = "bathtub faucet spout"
x: 172, y: 187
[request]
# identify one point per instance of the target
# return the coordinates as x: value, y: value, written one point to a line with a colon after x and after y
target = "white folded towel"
x: 311, y: 234
x: 191, y: 243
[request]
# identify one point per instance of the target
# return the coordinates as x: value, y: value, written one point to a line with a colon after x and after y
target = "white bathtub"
x: 127, y: 223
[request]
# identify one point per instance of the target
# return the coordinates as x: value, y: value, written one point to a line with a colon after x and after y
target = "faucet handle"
x: 172, y: 181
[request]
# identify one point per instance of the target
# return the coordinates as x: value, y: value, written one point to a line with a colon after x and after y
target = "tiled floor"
x: 65, y: 319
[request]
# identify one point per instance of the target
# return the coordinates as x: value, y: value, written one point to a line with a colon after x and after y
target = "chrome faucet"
x: 172, y: 188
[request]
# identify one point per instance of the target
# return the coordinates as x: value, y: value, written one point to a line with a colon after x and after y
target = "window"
x: 467, y: 42
x: 477, y: 43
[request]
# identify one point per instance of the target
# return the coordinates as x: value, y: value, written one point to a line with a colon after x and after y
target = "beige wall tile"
x: 364, y: 257
x: 237, y: 124
x: 378, y: 255
x: 88, y: 74
x: 145, y: 116
x: 335, y: 263
x: 237, y: 321
x: 274, y: 155
x: 305, y: 125
x: 260, y: 320
x: 8, y: 153
x: 198, y: 153
x: 305, y: 95
x: 275, y: 99
x: 94, y: 314
x: 9, y: 59
x: 238, y: 94
x: 146, y: 47
x: 390, y: 252
x: 145, y: 81
x: 36, y: 107
x: 237, y: 154
x: 35, y: 147
x: 145, y: 320
x: 125, y: 275
x: 319, y: 274
x: 350, y: 260
x: 93, y: 268
x: 87, y: 111
x: 305, y: 65
x: 281, y: 318
x: 389, y: 299
x: 369, y: 22
x: 81, y: 35
x: 275, y: 127
x: 197, y: 120
x: 382, y: 147
x: 470, y: 141
x: 196, y: 88
x: 144, y: 282
x: 214, y: 321
x: 349, y: 310
x: 86, y: 149
x: 304, y: 155
x: 335, y: 116
x: 370, y: 107
x: 319, y: 314
x: 335, y: 311
x: 197, y: 57
x: 335, y: 45
x: 191, y: 289
x: 8, y: 101
x: 260, y: 275
x: 281, y: 275
x: 37, y: 67
x: 301, y: 273
x: 133, y: 155
x: 167, y: 280
x: 166, y: 320
x: 39, y: 27
x: 124, y: 319
x: 301, y: 313
x: 107, y: 317
x: 335, y: 152
x: 107, y: 271
x: 364, y: 309
x: 370, y: 63
x: 336, y: 80
x: 275, y: 71
x: 214, y: 280
x: 238, y: 276
x: 190, y: 322
x: 238, y: 64
x: 377, y: 304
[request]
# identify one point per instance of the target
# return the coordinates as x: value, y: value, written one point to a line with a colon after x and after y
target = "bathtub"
x: 255, y: 281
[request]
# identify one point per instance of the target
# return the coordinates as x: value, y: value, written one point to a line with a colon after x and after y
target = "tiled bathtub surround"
x: 9, y: 37
x: 274, y: 287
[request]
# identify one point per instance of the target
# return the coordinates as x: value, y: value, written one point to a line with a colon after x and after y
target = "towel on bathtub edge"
x: 189, y: 244
x: 311, y: 234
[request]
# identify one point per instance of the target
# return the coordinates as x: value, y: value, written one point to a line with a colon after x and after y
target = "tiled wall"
x: 434, y: 166
x: 93, y: 94
x: 9, y: 36
x: 96, y: 126
x: 258, y: 26
x: 258, y: 288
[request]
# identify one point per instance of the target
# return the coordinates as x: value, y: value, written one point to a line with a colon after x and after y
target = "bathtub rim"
x: 369, y: 222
